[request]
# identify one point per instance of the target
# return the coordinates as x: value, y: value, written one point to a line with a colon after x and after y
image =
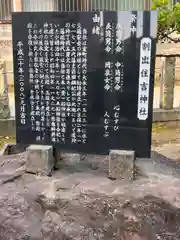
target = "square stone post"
x: 121, y: 165
x: 161, y: 79
x: 169, y: 82
x: 40, y: 160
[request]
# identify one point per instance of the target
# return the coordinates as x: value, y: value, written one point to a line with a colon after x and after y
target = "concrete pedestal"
x: 121, y: 165
x: 40, y: 160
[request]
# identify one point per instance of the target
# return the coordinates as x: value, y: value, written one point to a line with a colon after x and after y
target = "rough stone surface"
x: 80, y: 202
x: 67, y: 159
x: 121, y: 164
x: 169, y: 81
x: 40, y: 159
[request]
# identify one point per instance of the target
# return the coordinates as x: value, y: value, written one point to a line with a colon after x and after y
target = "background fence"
x: 8, y: 6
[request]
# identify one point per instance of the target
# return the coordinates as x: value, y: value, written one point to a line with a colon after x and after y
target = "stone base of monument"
x: 66, y: 159
x: 122, y: 165
x: 40, y: 160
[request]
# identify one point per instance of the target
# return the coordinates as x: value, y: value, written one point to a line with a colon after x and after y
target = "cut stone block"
x: 40, y: 160
x: 121, y: 165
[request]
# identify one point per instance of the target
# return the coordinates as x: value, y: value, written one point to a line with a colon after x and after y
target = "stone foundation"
x: 121, y: 165
x: 40, y: 160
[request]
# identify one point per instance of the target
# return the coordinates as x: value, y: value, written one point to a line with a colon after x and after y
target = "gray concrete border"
x: 161, y: 115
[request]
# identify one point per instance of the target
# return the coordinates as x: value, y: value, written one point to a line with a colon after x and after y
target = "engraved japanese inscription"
x: 58, y: 78
x: 84, y: 80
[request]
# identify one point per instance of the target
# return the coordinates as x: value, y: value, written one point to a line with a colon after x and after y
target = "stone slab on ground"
x: 80, y: 202
x: 10, y: 176
x: 73, y: 205
x: 40, y: 159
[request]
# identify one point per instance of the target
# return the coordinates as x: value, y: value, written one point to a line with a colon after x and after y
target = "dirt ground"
x: 163, y: 133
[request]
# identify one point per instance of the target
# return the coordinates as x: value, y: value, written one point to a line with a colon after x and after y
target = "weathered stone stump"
x: 40, y: 160
x: 121, y: 165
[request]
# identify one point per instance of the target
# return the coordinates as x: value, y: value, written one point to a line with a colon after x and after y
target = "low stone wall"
x: 162, y: 115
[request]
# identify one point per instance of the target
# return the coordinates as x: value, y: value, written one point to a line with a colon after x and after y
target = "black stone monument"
x: 84, y: 80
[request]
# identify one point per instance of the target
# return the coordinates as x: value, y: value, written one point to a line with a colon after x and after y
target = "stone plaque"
x: 84, y: 80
